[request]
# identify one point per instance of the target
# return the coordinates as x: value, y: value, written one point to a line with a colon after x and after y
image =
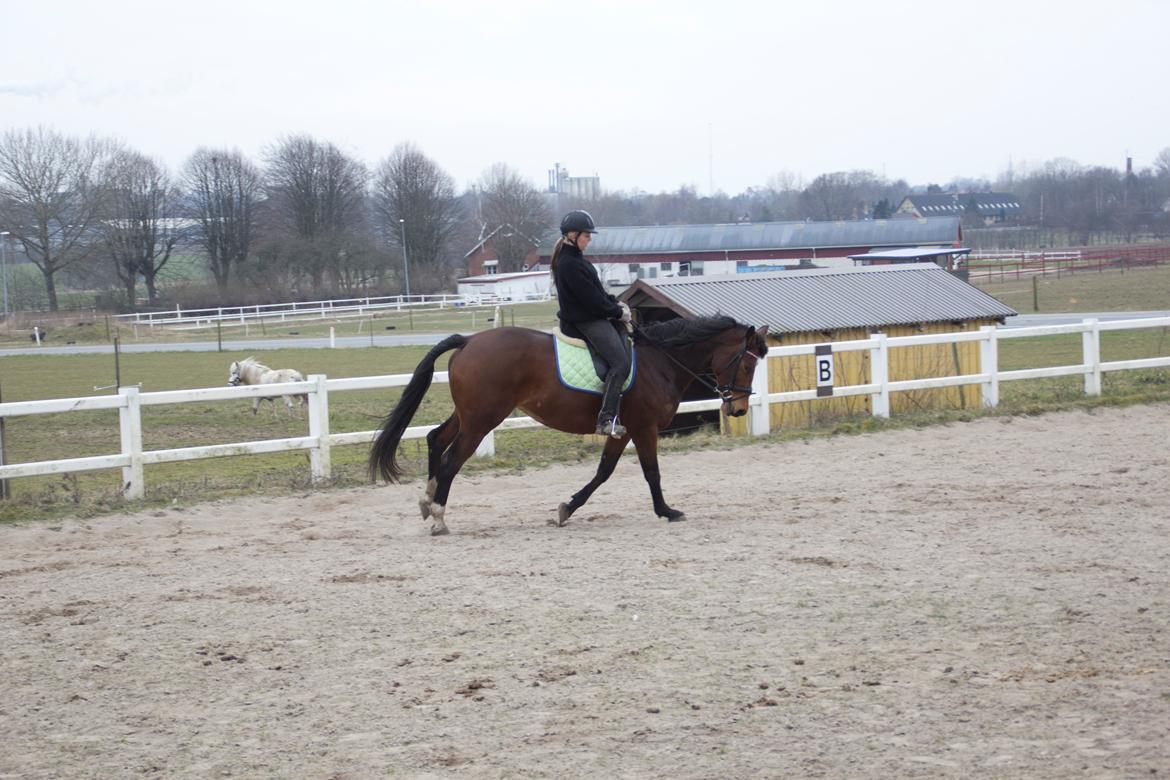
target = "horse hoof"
x: 675, y: 516
x: 424, y: 506
x: 563, y: 513
x: 439, y: 530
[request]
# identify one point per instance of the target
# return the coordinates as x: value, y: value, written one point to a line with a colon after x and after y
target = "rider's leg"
x: 603, y: 336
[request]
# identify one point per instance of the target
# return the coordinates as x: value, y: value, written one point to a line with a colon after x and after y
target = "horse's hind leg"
x: 609, y: 459
x: 462, y: 447
x: 438, y: 440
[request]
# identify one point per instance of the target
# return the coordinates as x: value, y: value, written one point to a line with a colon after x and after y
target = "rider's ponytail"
x: 552, y: 265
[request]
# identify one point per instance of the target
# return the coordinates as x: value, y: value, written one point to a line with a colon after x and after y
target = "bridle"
x: 727, y: 392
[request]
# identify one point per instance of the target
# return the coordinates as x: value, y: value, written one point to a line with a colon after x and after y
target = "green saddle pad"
x: 575, y: 367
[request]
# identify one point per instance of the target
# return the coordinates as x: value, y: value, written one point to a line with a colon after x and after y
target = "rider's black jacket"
x: 580, y: 292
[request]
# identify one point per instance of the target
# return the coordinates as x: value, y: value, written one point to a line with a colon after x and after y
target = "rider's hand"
x: 626, y: 315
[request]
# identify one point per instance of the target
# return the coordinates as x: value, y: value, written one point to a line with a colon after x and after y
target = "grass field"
x: 1142, y: 289
x: 89, y: 329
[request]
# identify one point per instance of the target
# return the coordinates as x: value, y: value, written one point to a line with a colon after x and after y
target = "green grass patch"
x: 1141, y: 289
x: 64, y: 329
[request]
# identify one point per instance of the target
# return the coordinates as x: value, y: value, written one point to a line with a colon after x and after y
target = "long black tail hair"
x: 385, y: 448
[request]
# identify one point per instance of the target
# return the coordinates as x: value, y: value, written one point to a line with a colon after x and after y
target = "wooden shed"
x: 831, y: 305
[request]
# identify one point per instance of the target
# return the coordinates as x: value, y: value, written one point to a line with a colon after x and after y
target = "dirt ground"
x: 984, y: 599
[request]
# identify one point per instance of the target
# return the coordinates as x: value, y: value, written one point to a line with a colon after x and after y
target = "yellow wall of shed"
x: 852, y: 368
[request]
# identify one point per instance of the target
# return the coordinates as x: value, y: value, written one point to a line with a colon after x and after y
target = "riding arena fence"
x: 1002, y: 266
x: 312, y: 310
x: 320, y: 440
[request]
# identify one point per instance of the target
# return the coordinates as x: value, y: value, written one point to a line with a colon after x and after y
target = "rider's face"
x: 583, y: 239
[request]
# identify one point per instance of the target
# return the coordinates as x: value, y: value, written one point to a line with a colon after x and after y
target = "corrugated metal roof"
x: 908, y: 252
x: 828, y: 299
x: 661, y: 239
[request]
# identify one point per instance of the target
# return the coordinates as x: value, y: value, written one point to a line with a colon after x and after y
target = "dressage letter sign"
x: 824, y: 365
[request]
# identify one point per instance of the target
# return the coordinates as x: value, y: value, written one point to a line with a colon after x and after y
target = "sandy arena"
x: 985, y: 599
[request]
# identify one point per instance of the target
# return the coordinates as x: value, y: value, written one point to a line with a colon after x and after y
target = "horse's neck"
x: 256, y: 372
x: 683, y: 363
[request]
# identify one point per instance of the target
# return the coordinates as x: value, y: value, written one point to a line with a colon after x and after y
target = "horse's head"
x: 234, y: 377
x: 734, y: 365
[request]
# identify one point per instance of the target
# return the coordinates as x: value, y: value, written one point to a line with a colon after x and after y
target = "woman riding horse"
x: 498, y: 370
x: 587, y: 311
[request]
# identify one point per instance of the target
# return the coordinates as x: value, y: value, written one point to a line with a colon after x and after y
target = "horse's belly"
x: 554, y: 416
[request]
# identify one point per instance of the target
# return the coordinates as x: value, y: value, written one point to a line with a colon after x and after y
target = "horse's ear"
x: 756, y: 337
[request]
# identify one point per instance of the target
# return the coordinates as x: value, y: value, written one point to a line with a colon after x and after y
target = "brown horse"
x: 496, y: 371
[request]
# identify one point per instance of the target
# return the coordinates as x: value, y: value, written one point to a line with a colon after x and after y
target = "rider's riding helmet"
x: 579, y: 221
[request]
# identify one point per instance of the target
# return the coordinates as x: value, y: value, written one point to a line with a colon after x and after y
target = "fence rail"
x: 310, y: 310
x: 1002, y: 266
x: 320, y: 440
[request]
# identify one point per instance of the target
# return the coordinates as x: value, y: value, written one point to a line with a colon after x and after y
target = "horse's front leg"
x: 609, y: 458
x: 646, y: 443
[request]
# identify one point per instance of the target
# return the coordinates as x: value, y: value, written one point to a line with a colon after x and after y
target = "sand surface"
x: 984, y: 599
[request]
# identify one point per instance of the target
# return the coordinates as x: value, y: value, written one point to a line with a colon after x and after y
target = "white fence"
x: 132, y: 459
x: 309, y: 310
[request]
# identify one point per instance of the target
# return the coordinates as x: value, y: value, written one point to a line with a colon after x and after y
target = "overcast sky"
x: 646, y: 95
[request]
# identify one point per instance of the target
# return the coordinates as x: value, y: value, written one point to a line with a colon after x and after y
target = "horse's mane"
x: 251, y: 361
x: 684, y: 331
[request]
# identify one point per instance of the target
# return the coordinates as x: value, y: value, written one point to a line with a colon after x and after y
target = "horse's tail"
x: 385, y: 448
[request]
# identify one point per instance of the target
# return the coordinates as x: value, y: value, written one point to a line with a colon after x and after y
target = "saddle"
x: 580, y: 368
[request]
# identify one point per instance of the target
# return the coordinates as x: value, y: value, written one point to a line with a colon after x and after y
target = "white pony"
x: 250, y: 372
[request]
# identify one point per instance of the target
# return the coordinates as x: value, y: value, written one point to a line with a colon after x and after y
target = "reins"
x: 725, y: 391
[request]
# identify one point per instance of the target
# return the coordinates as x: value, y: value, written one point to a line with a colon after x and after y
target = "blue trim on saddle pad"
x: 575, y: 368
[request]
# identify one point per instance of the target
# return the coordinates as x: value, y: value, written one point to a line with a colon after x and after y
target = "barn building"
x: 950, y: 258
x: 483, y: 259
x: 625, y: 254
x: 839, y: 304
x: 525, y: 286
x: 993, y: 208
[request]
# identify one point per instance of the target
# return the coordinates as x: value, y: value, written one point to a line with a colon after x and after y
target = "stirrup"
x: 610, y: 427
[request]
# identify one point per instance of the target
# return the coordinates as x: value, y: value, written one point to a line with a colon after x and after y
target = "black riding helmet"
x: 578, y: 220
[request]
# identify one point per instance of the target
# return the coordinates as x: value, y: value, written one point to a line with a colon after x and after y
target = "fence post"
x: 761, y: 410
x: 1091, y: 342
x: 319, y: 460
x: 989, y: 364
x: 4, y: 492
x: 879, y: 374
x: 130, y: 427
x: 487, y: 447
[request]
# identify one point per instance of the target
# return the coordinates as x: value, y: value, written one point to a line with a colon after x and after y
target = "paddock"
x: 982, y: 599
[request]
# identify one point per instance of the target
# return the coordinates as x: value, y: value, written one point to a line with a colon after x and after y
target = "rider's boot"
x: 607, y: 421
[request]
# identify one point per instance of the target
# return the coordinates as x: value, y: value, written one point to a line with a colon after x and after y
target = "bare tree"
x: 51, y: 197
x: 510, y: 200
x: 414, y: 197
x: 318, y: 200
x: 224, y: 190
x: 140, y: 229
x: 843, y: 195
x: 1162, y: 162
